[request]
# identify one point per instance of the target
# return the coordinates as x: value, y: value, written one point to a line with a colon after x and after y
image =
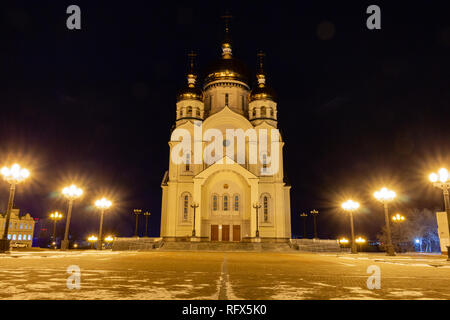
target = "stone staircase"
x: 225, y: 246
x: 316, y: 245
x: 294, y: 245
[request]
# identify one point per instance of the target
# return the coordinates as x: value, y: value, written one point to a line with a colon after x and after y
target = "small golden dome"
x: 191, y: 92
x: 262, y: 91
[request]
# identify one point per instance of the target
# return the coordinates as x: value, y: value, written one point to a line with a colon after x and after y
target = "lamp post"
x: 13, y: 176
x: 398, y: 219
x: 315, y: 212
x: 146, y: 214
x: 350, y: 206
x: 137, y: 212
x: 360, y: 241
x: 257, y: 206
x: 441, y: 181
x: 385, y: 196
x: 55, y: 216
x: 92, y: 239
x: 71, y: 193
x: 304, y: 215
x: 103, y: 204
x: 194, y: 206
x: 109, y: 239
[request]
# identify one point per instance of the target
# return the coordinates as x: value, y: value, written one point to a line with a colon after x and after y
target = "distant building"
x: 21, y: 228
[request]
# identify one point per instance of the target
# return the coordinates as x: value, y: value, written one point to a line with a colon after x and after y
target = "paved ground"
x: 220, y: 275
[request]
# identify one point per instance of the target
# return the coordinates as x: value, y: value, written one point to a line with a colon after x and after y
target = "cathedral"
x: 235, y: 194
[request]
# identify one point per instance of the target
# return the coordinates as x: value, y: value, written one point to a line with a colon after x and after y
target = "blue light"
x: 417, y: 241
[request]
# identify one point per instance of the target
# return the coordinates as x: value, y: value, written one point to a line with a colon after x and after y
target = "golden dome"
x: 191, y: 92
x: 226, y: 68
x: 262, y: 92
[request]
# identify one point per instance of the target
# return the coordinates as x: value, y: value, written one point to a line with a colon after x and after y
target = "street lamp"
x: 109, y: 239
x: 441, y: 181
x: 304, y: 216
x: 360, y: 241
x: 398, y: 218
x: 343, y: 241
x: 13, y: 176
x: 194, y: 206
x: 102, y: 204
x: 92, y: 239
x: 315, y: 212
x: 137, y: 212
x: 385, y: 196
x: 257, y: 206
x: 70, y: 193
x: 146, y: 214
x: 350, y: 206
x: 55, y: 216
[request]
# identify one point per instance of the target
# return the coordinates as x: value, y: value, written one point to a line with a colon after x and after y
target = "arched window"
x: 29, y: 237
x: 264, y: 162
x: 266, y: 208
x: 188, y: 161
x: 186, y: 208
x: 189, y: 111
x: 236, y: 203
x: 14, y: 237
x: 198, y: 113
x: 263, y: 112
x: 254, y: 112
x: 21, y: 226
x: 181, y: 113
x: 215, y: 202
x: 271, y: 112
x: 20, y: 237
x: 225, y: 202
x: 226, y: 99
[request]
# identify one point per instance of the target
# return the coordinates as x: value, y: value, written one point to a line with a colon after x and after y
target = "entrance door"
x: 214, y: 232
x: 225, y: 232
x: 236, y: 233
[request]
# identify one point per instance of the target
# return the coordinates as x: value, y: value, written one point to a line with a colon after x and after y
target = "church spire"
x: 226, y: 45
x: 191, y: 91
x: 191, y: 76
x: 260, y: 73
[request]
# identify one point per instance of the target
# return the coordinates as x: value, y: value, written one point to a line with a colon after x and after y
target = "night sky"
x: 358, y: 109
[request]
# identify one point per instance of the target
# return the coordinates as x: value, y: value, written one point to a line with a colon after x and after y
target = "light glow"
x: 360, y: 240
x: 384, y: 194
x: 350, y: 205
x: 103, y: 203
x: 72, y: 192
x: 15, y: 174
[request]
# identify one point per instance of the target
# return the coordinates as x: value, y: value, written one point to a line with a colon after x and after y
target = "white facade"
x: 21, y: 228
x: 226, y: 190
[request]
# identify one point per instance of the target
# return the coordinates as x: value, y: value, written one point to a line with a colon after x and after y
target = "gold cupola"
x: 262, y: 91
x: 191, y: 91
x: 228, y: 67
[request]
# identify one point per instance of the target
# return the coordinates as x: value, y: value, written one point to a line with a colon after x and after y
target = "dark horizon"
x: 358, y: 109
